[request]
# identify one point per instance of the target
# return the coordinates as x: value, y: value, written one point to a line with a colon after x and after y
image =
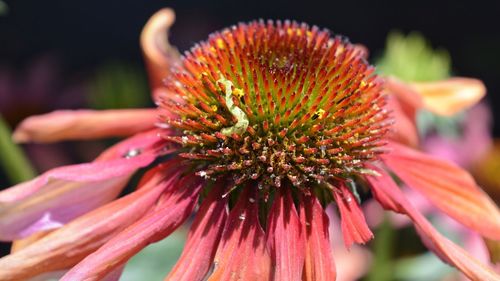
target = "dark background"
x: 86, y: 34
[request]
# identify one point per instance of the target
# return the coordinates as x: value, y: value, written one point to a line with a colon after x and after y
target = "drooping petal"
x: 390, y: 197
x: 61, y: 194
x: 319, y: 264
x: 354, y: 262
x: 409, y: 99
x: 448, y: 97
x: 176, y: 204
x: 242, y: 253
x: 84, y: 124
x: 66, y: 246
x: 353, y: 223
x: 158, y: 52
x: 448, y: 187
x: 202, y: 240
x: 285, y: 238
x: 404, y: 128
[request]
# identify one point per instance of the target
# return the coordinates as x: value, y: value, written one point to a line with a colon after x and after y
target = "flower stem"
x: 12, y: 159
x: 382, y: 253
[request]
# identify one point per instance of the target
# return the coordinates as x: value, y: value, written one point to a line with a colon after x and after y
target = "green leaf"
x: 14, y: 162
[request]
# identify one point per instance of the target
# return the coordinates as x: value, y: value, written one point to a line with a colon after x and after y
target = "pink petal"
x: 59, y: 195
x: 66, y: 246
x: 390, y: 197
x: 285, y: 238
x: 181, y: 197
x: 405, y: 130
x: 353, y: 223
x: 448, y: 187
x: 319, y: 264
x: 409, y: 99
x: 203, y: 239
x: 84, y: 124
x: 242, y: 251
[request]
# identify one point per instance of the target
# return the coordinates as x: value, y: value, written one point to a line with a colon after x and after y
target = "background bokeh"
x: 80, y: 54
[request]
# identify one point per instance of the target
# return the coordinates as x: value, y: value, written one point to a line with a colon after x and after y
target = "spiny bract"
x: 276, y: 101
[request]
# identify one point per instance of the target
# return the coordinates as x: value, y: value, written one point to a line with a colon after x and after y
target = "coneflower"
x: 261, y: 126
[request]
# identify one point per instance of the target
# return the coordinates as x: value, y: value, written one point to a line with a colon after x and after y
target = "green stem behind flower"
x: 12, y: 158
x: 382, y: 253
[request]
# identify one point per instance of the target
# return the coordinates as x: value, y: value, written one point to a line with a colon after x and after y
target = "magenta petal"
x: 68, y: 245
x: 62, y: 194
x: 319, y: 263
x: 390, y: 197
x: 353, y: 223
x: 172, y: 210
x: 285, y: 238
x: 242, y: 253
x: 203, y: 239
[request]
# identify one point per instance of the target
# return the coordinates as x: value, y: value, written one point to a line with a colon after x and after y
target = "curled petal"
x: 170, y: 212
x: 448, y: 187
x: 353, y: 223
x: 285, y: 238
x: 158, y: 52
x: 319, y: 264
x: 242, y: 251
x: 448, y: 97
x: 387, y: 193
x: 84, y: 124
x: 61, y: 194
x: 202, y: 240
x: 66, y: 246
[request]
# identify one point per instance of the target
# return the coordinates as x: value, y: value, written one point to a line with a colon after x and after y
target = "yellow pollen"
x: 214, y: 107
x: 238, y: 93
x: 320, y: 113
x: 220, y: 43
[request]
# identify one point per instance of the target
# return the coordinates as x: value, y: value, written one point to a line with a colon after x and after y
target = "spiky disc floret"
x: 273, y: 101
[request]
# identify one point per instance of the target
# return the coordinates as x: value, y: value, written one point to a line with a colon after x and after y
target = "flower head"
x: 271, y: 103
x: 264, y: 124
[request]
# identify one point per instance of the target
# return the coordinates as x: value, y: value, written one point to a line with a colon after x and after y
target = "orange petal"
x: 319, y: 264
x: 84, y: 124
x: 242, y: 251
x: 391, y: 197
x: 203, y: 239
x: 353, y: 223
x: 448, y: 97
x: 285, y: 238
x: 158, y: 52
x: 66, y: 246
x: 173, y: 208
x: 448, y: 187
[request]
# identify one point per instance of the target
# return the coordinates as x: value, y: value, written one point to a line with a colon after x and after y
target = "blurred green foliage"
x: 4, y: 9
x: 118, y: 85
x: 13, y: 160
x: 411, y: 58
x: 155, y: 261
